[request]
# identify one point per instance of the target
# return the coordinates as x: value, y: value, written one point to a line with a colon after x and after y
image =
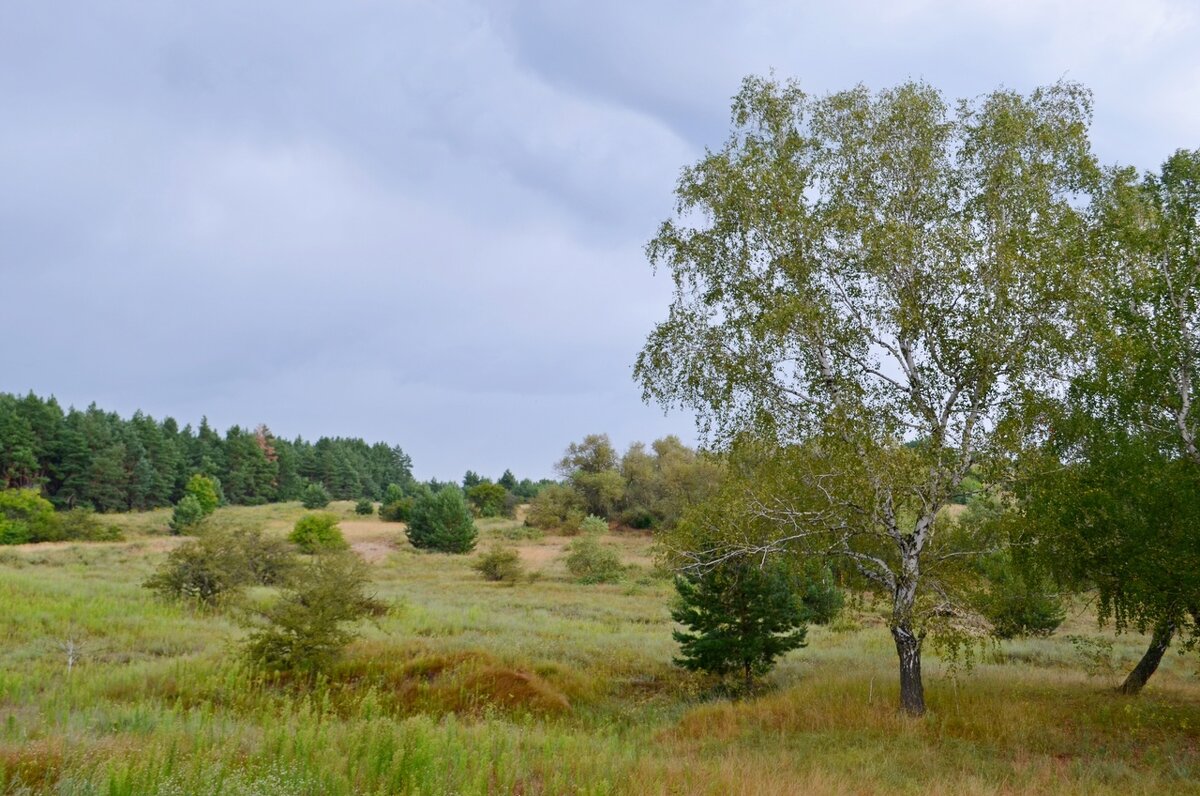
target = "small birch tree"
x: 861, y: 270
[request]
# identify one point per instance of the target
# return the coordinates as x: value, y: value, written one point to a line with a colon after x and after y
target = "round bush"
x: 204, y: 490
x: 80, y: 523
x: 442, y: 522
x: 557, y: 506
x: 316, y: 532
x: 364, y: 506
x: 206, y: 569
x: 187, y: 515
x: 315, y: 496
x: 500, y: 564
x: 26, y: 516
x: 396, y: 511
x: 591, y: 562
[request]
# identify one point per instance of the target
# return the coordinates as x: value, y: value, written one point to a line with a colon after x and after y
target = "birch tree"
x: 861, y: 270
x: 1116, y: 502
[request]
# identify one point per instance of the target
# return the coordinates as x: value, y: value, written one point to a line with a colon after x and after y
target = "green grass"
x: 549, y: 687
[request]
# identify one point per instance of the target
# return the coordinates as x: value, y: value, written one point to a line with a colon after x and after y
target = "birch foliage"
x: 858, y: 271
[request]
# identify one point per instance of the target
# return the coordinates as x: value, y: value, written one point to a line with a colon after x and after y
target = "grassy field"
x: 545, y: 687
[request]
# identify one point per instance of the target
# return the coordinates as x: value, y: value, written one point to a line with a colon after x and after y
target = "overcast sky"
x: 422, y: 222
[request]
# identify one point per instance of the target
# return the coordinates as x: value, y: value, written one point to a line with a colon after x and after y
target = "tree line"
x: 97, y: 459
x: 644, y: 488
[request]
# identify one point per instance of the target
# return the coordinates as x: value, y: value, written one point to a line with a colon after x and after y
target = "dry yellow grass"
x: 547, y: 687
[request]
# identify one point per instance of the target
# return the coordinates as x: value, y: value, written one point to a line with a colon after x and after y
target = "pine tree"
x: 107, y: 480
x: 442, y: 522
x: 315, y: 497
x: 18, y: 445
x: 742, y: 616
x: 74, y: 461
x: 142, y: 485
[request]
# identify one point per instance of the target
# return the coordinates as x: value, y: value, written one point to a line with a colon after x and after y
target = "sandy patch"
x: 541, y: 554
x: 372, y: 552
x: 154, y: 544
x: 371, y: 529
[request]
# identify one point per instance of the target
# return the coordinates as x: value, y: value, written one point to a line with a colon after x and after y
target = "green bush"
x: 364, y: 507
x: 592, y: 562
x: 556, y: 506
x: 204, y: 490
x: 207, y: 569
x: 639, y: 519
x: 316, y: 532
x: 442, y: 522
x: 396, y: 511
x: 26, y: 516
x: 500, y: 563
x: 269, y: 560
x: 593, y: 524
x: 1019, y: 600
x: 393, y: 493
x: 488, y: 499
x: 81, y: 524
x: 314, y: 496
x: 217, y: 564
x: 310, y: 625
x: 187, y: 515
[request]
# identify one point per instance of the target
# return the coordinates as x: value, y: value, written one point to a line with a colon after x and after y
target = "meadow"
x: 546, y: 687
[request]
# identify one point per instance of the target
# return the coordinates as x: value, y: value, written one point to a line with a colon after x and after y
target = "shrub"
x: 393, y: 493
x: 591, y: 562
x: 364, y: 506
x: 396, y: 511
x: 269, y: 560
x: 1019, y: 601
x: 316, y: 532
x: 742, y: 616
x: 81, y: 524
x: 639, y: 519
x: 488, y: 499
x: 511, y: 502
x: 187, y: 515
x: 310, y: 625
x: 556, y: 506
x: 204, y: 490
x: 26, y: 516
x: 207, y: 569
x: 500, y: 563
x: 593, y: 524
x: 442, y: 522
x: 314, y: 496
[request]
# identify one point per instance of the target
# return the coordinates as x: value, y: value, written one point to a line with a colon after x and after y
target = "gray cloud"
x: 422, y: 222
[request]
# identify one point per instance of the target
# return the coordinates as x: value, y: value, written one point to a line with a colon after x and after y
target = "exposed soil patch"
x: 372, y: 552
x: 371, y: 529
x: 542, y: 554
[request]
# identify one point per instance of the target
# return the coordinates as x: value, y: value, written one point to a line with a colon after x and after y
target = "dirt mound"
x: 464, y: 681
x: 515, y: 690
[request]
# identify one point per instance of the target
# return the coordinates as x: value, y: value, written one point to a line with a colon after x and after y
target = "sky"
x: 423, y: 222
